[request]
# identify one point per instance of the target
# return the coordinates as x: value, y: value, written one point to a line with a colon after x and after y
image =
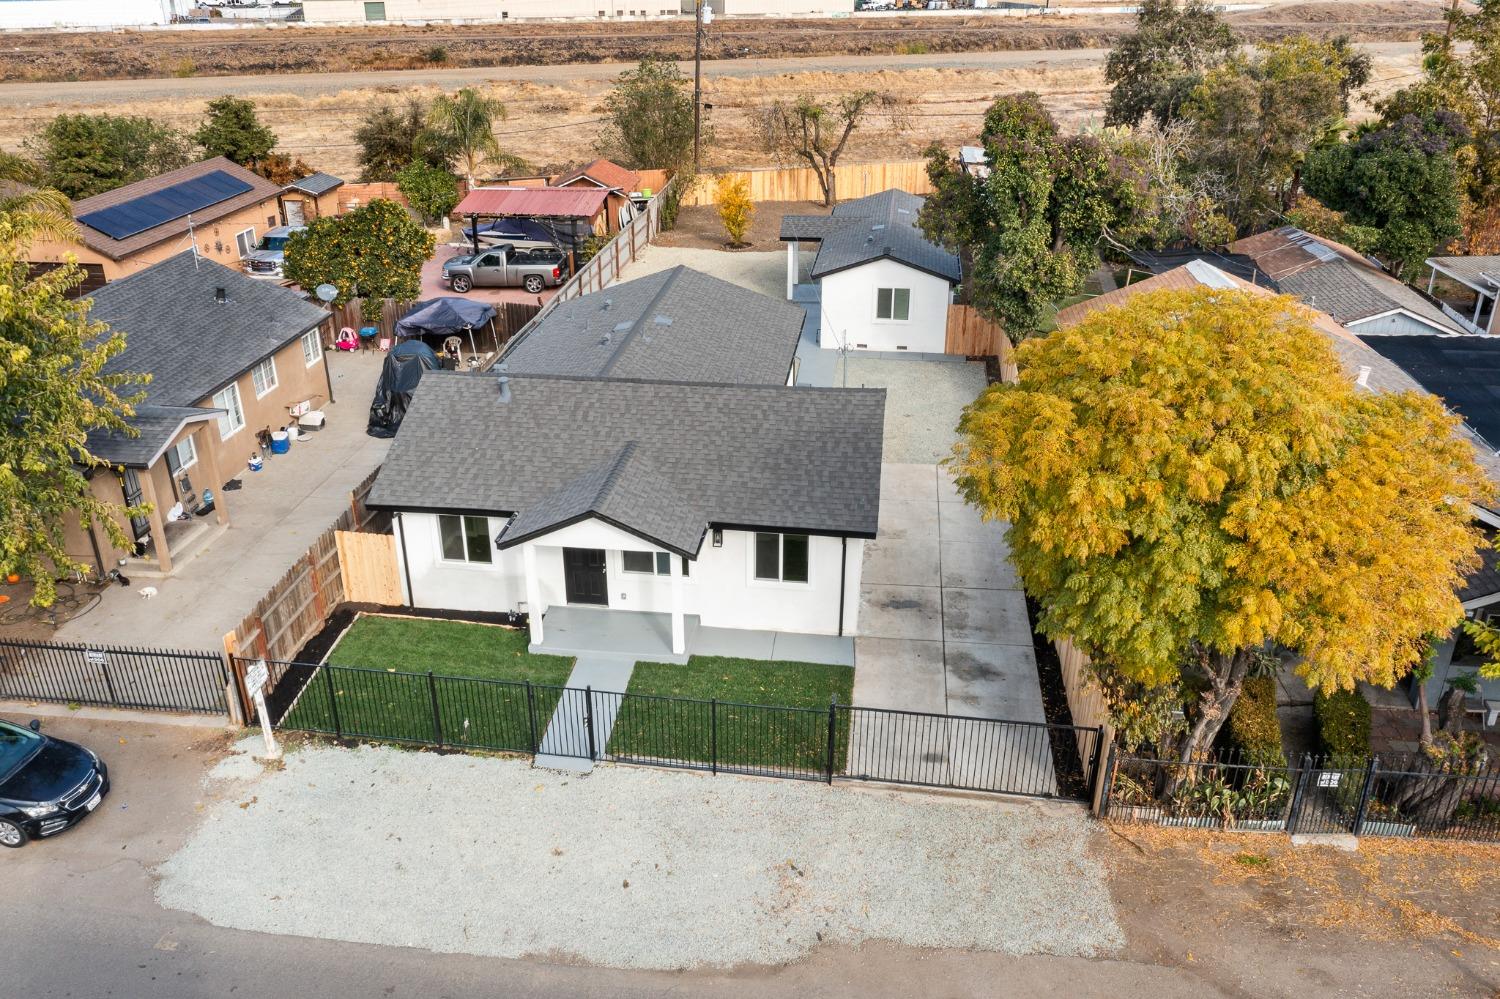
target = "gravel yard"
x: 629, y: 867
x: 923, y: 401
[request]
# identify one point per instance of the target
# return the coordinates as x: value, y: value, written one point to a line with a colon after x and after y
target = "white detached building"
x: 881, y: 284
x: 559, y: 483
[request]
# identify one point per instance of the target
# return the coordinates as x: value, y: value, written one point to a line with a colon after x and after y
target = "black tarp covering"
x: 398, y: 380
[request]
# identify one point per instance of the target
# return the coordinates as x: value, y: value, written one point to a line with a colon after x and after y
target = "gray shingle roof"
x: 626, y: 489
x: 156, y: 426
x: 1479, y: 272
x: 190, y: 344
x: 798, y: 459
x: 1484, y: 581
x: 1349, y: 293
x: 879, y: 226
x: 316, y: 184
x: 678, y: 325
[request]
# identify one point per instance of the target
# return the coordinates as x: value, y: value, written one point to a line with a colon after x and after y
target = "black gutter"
x: 411, y: 596
x: 843, y: 579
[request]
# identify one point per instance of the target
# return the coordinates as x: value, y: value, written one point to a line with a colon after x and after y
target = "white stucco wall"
x: 720, y: 586
x: 88, y: 13
x: 349, y: 11
x: 1395, y: 324
x: 848, y: 303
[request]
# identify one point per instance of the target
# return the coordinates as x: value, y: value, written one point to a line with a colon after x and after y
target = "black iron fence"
x: 840, y: 740
x: 1398, y: 795
x: 113, y: 675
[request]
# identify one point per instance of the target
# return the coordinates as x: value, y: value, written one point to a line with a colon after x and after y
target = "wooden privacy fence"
x: 368, y: 565
x: 510, y: 318
x: 300, y: 603
x: 1085, y: 699
x: 852, y: 180
x: 971, y: 334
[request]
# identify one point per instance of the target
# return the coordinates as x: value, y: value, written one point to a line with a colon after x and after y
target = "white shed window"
x: 312, y: 347
x: 465, y: 539
x: 264, y: 376
x: 893, y: 303
x: 781, y: 557
x: 232, y: 420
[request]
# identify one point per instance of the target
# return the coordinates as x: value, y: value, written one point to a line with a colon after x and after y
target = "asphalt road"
x: 80, y: 920
x: 318, y: 84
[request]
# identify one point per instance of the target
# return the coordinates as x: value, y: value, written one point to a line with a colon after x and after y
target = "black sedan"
x: 46, y: 784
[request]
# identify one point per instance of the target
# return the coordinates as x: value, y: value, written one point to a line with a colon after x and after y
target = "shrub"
x: 1343, y: 723
x: 736, y: 210
x: 1253, y: 727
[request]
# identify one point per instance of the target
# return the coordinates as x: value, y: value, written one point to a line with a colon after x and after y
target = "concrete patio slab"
x: 904, y: 482
x: 900, y: 520
x: 599, y: 631
x: 977, y: 566
x: 988, y: 616
x: 898, y: 672
x: 911, y: 562
x: 946, y: 491
x: 901, y: 612
x: 993, y: 681
x: 959, y: 521
x: 829, y: 650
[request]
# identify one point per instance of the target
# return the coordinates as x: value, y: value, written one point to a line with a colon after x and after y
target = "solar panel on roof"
x: 159, y: 207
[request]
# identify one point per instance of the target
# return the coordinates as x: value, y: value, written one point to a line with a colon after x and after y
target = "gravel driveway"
x: 630, y: 867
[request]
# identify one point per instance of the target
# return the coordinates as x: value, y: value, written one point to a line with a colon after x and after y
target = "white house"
x: 881, y: 284
x: 1481, y: 275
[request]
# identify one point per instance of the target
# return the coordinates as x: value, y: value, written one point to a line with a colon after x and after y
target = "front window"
x: 465, y: 539
x: 183, y: 455
x: 375, y: 11
x: 655, y: 563
x: 245, y: 241
x: 17, y: 745
x: 893, y: 304
x: 264, y: 376
x: 781, y: 557
x: 232, y: 420
x: 312, y: 347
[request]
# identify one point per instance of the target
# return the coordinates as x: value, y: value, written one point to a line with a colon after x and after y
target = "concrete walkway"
x: 584, y: 631
x: 944, y: 629
x: 565, y: 744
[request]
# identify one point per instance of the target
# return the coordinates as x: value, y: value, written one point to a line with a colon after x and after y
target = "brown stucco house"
x: 216, y: 205
x: 229, y: 357
x: 313, y: 197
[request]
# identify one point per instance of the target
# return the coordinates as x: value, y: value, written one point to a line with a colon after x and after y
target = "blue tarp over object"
x: 398, y: 380
x: 444, y: 317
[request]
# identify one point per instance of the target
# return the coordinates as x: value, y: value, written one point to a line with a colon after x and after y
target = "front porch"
x: 585, y: 631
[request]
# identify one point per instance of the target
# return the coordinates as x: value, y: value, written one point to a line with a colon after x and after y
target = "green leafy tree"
x: 393, y: 135
x: 1191, y: 478
x: 1032, y: 228
x: 232, y: 129
x: 86, y: 154
x: 650, y: 118
x: 463, y: 125
x: 374, y: 252
x: 814, y: 130
x: 1399, y: 179
x: 1153, y: 71
x: 1170, y: 202
x: 1256, y: 119
x: 431, y: 191
x: 53, y: 393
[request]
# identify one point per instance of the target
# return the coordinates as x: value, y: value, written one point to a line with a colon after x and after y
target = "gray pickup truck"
x: 505, y: 266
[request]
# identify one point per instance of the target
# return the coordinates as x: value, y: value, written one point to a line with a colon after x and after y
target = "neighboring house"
x: 1458, y: 370
x: 881, y: 284
x: 313, y: 197
x: 701, y: 504
x: 1478, y: 311
x: 228, y: 356
x: 216, y: 205
x: 624, y: 187
x: 676, y: 325
x: 1336, y: 279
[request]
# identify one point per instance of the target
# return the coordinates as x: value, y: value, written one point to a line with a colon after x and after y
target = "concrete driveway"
x: 273, y: 518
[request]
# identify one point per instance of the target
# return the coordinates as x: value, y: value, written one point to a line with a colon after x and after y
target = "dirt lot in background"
x: 50, y: 56
x: 1251, y: 915
x: 698, y: 226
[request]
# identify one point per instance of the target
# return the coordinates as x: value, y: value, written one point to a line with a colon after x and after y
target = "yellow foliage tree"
x: 736, y: 210
x: 1190, y: 477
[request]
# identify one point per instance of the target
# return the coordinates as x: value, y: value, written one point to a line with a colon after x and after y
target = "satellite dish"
x: 326, y: 292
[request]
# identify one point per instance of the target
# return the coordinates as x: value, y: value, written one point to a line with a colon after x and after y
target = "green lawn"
x: 745, y: 736
x: 381, y: 700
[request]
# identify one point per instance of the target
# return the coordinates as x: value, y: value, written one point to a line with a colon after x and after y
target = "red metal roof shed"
x: 534, y: 202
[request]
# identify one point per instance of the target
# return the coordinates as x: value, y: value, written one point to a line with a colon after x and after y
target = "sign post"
x: 255, y: 682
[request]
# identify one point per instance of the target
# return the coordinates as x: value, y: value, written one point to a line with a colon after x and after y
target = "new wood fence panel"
x: 852, y: 180
x: 369, y: 566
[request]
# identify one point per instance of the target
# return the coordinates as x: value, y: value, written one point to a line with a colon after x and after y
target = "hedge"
x: 1253, y: 727
x: 1343, y: 723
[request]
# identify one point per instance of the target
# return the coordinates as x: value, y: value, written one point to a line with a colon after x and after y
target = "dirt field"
x: 44, y: 56
x: 1251, y: 915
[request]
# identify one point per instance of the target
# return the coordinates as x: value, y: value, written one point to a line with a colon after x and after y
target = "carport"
x: 569, y: 214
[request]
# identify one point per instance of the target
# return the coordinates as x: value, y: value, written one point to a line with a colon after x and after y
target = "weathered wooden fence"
x: 300, y: 603
x: 972, y: 334
x: 852, y: 180
x: 368, y: 563
x: 1085, y: 699
x: 510, y: 318
x: 353, y: 196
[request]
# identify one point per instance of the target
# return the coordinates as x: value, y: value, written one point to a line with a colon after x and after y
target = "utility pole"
x: 697, y: 83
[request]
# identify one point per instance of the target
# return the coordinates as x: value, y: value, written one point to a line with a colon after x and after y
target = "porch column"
x: 1431, y: 279
x: 210, y: 451
x: 791, y: 269
x: 1478, y: 306
x: 679, y: 630
x: 534, y: 606
x: 158, y: 525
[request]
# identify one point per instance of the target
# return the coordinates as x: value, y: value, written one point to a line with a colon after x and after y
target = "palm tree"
x: 464, y: 124
x: 29, y: 212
